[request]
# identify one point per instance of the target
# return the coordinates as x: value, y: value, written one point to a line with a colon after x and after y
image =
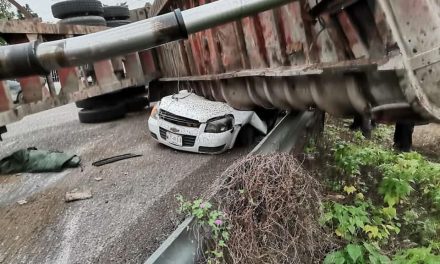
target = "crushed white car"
x: 188, y: 122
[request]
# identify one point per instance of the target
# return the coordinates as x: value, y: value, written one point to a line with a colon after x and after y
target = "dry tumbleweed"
x: 273, y: 207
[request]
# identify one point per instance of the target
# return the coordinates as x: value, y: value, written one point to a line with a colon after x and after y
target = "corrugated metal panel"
x: 285, y: 36
x: 224, y: 63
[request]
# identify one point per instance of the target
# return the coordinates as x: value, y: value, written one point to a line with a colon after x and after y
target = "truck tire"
x: 110, y: 98
x: 73, y: 8
x: 136, y: 104
x: 84, y: 21
x: 129, y: 92
x: 116, y: 12
x: 101, y: 115
x: 95, y: 102
x: 117, y: 23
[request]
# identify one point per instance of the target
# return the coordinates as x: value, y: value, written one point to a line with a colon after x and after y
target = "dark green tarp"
x: 34, y: 160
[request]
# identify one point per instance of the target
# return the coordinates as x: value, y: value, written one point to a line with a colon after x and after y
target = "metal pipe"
x: 40, y: 58
x: 220, y: 12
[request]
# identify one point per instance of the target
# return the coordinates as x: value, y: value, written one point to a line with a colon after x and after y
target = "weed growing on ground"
x: 391, y: 201
x: 357, y: 253
x: 211, y: 220
x: 384, y: 206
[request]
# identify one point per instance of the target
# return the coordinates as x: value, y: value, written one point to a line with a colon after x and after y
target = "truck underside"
x: 378, y: 59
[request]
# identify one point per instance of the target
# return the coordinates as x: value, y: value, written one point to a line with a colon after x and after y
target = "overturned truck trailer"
x: 376, y: 58
x: 347, y: 57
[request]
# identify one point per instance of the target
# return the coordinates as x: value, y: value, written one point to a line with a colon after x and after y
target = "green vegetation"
x: 7, y: 13
x: 21, y: 16
x: 211, y: 220
x: 5, y: 10
x: 383, y: 206
x: 390, y: 210
x: 357, y: 253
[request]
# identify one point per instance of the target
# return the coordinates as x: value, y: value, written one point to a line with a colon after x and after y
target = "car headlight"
x: 220, y: 125
x: 155, y: 111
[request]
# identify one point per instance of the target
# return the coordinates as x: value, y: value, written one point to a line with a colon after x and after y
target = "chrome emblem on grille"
x: 175, y: 130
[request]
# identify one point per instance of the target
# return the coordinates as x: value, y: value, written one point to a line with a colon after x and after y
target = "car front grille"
x: 187, y: 141
x: 178, y: 120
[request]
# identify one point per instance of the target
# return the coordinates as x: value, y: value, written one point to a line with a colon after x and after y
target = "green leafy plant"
x: 348, y: 219
x: 357, y: 254
x: 400, y: 172
x: 354, y: 221
x: 211, y: 219
x: 420, y: 255
x: 384, y: 192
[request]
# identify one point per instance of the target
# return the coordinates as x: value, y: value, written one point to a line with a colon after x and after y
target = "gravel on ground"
x: 133, y: 208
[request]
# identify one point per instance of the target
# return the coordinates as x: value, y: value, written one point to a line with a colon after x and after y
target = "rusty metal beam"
x: 35, y: 27
x: 359, y: 65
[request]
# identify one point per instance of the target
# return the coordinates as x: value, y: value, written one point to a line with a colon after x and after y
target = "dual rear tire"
x: 77, y: 8
x: 102, y: 114
x: 113, y: 106
x: 90, y: 13
x: 85, y: 21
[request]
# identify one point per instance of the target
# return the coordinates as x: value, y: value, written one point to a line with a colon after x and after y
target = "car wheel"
x: 246, y: 136
x: 73, y: 8
x: 117, y: 23
x: 136, y: 104
x: 116, y: 12
x: 103, y: 114
x: 84, y: 21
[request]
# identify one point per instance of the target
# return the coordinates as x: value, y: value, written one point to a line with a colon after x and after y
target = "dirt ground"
x: 133, y: 207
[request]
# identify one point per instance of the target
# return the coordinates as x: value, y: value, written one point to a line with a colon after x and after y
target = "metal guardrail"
x: 182, y: 246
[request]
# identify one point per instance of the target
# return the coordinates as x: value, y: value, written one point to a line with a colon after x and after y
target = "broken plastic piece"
x: 115, y: 159
x: 76, y: 195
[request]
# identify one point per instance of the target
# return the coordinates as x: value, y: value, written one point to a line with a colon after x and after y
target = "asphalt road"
x: 133, y: 207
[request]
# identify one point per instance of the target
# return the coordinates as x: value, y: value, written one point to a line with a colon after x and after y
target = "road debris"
x: 98, y: 179
x: 22, y: 202
x: 115, y: 159
x: 76, y: 195
x: 34, y: 160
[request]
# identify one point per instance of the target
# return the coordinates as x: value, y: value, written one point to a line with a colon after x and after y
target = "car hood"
x: 195, y: 107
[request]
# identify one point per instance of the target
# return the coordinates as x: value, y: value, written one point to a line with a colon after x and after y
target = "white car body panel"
x: 189, y: 105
